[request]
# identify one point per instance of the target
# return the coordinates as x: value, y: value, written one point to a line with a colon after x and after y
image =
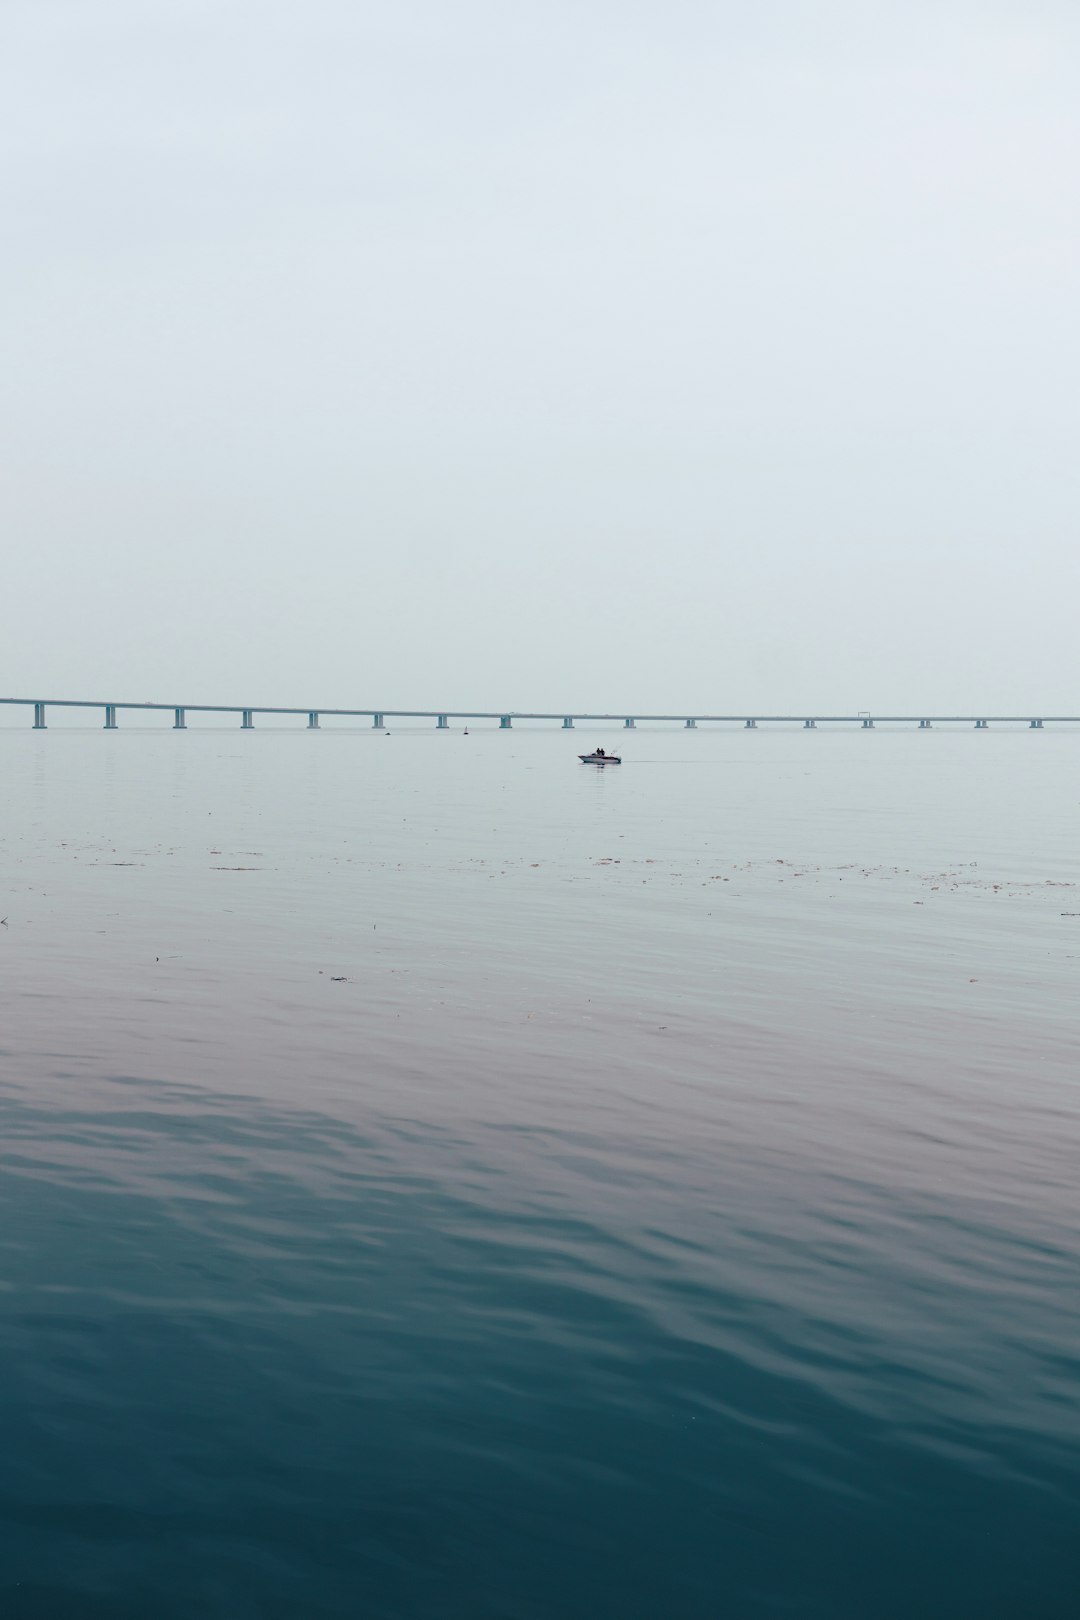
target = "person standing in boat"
x: 600, y: 754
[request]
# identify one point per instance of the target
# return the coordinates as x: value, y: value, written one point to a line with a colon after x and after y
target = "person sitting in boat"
x: 600, y: 754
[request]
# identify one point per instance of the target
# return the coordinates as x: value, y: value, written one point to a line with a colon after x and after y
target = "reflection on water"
x: 441, y: 1181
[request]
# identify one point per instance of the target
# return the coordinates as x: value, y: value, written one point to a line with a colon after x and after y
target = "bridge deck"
x: 505, y: 717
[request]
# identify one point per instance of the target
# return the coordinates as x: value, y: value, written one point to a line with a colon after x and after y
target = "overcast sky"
x: 529, y: 353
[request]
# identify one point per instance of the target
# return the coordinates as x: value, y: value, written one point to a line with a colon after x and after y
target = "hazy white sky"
x: 541, y: 354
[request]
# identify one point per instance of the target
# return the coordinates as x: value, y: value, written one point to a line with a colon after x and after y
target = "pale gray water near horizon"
x: 442, y: 1180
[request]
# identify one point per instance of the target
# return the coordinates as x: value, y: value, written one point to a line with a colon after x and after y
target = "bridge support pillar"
x: 568, y: 722
x: 924, y: 725
x: 246, y: 723
x: 378, y: 722
x: 110, y: 717
x: 39, y: 717
x: 809, y: 725
x: 179, y: 720
x: 441, y: 723
x: 313, y: 720
x: 868, y: 725
x: 981, y: 725
x: 504, y: 722
x: 1035, y: 725
x: 751, y: 725
x: 690, y: 724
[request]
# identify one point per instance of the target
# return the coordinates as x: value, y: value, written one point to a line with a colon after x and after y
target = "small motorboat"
x: 600, y: 759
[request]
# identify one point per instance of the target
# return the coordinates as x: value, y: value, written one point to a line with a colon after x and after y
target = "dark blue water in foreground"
x: 453, y: 1185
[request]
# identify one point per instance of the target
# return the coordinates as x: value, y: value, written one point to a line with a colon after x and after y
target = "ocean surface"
x: 443, y: 1182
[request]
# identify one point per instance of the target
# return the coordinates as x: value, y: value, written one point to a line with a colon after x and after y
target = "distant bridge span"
x: 749, y: 719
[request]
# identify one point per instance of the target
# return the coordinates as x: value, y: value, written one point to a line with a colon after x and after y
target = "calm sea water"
x: 441, y: 1182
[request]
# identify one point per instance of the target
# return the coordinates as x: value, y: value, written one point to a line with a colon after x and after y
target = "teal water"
x: 437, y: 1180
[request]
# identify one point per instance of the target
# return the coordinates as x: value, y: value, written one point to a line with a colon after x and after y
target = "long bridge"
x: 442, y: 717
